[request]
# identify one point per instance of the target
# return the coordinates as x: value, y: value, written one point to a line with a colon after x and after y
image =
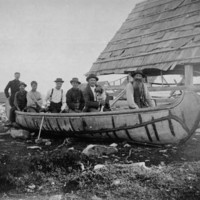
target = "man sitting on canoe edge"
x: 20, y: 102
x: 56, y: 98
x: 74, y: 97
x: 137, y: 93
x: 34, y: 99
x: 92, y: 104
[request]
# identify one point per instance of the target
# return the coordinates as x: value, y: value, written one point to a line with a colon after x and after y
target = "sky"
x: 47, y: 39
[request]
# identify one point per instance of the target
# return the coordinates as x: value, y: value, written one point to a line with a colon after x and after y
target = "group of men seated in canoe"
x: 92, y: 99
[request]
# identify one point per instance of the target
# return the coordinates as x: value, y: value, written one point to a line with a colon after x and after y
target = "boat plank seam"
x: 128, y: 134
x: 140, y: 118
x: 35, y: 122
x: 107, y: 133
x: 155, y: 130
x: 114, y: 132
x: 71, y: 125
x: 48, y: 121
x: 60, y: 129
x: 148, y: 133
x: 171, y: 127
x: 47, y: 125
x: 26, y: 122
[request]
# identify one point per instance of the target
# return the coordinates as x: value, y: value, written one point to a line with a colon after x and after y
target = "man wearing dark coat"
x: 74, y: 97
x: 91, y: 103
x: 14, y: 87
x: 20, y: 101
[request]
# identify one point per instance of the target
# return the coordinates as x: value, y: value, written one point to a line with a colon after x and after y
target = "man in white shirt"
x: 56, y: 97
x: 34, y: 99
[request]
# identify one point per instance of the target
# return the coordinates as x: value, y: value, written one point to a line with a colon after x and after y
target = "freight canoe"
x: 170, y: 124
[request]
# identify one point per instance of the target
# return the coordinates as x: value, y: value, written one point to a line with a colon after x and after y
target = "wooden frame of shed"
x: 158, y: 37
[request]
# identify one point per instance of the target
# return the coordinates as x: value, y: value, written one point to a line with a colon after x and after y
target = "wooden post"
x: 188, y: 75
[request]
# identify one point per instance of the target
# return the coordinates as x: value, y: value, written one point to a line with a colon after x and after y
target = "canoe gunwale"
x: 129, y: 111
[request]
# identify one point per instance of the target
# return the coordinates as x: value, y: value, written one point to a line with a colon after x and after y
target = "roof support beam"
x: 188, y: 75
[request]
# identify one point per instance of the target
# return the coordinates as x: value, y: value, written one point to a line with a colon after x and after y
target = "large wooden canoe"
x: 170, y: 124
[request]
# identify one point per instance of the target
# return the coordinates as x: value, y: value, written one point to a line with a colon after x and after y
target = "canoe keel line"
x: 160, y: 125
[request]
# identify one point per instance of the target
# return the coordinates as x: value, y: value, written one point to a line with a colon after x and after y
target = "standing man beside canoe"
x: 137, y: 93
x: 56, y: 97
x: 13, y: 86
x: 91, y: 103
x: 74, y: 96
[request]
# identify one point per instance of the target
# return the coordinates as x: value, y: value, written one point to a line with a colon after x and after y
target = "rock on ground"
x: 99, y: 150
x: 19, y: 133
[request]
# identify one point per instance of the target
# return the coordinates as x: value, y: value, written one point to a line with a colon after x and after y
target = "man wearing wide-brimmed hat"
x: 91, y: 103
x: 56, y: 98
x: 137, y: 93
x: 74, y: 96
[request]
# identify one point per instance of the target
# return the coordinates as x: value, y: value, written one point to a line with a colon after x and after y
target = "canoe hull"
x: 167, y: 125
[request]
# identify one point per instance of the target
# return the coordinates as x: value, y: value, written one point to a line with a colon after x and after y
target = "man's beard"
x: 138, y: 85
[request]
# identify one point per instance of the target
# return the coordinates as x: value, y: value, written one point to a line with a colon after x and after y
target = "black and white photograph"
x: 100, y: 99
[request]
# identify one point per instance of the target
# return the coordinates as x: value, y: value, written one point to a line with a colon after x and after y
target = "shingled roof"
x: 158, y: 35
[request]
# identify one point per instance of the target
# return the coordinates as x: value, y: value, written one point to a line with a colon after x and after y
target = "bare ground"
x: 52, y: 170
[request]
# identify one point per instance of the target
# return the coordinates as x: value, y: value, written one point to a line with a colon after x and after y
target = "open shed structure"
x: 159, y: 37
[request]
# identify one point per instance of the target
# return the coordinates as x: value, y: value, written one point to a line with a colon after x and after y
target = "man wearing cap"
x: 137, y: 92
x: 14, y: 87
x: 20, y: 101
x: 74, y: 96
x: 56, y: 98
x: 34, y: 99
x: 91, y: 103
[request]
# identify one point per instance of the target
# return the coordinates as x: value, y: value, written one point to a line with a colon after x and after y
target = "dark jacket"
x: 89, y: 99
x: 20, y: 100
x: 14, y: 87
x: 74, y: 97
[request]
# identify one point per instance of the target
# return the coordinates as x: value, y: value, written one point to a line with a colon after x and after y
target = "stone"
x: 19, y: 133
x: 98, y: 150
x: 134, y: 165
x: 96, y: 198
x: 116, y: 182
x: 32, y: 186
x: 163, y: 151
x: 99, y: 166
x: 34, y: 147
x: 48, y: 143
x: 56, y: 197
x: 127, y: 145
x: 113, y: 145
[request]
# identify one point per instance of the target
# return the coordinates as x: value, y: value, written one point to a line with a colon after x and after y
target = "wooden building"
x: 160, y: 37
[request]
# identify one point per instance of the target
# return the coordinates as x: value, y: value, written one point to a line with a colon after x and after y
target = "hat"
x: 59, y: 80
x: 138, y: 72
x: 75, y: 80
x: 22, y: 83
x: 92, y: 76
